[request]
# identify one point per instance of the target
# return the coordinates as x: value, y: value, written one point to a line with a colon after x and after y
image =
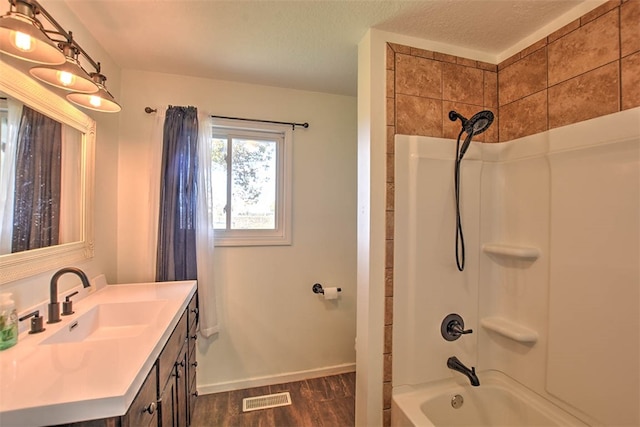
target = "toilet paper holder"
x: 317, y: 289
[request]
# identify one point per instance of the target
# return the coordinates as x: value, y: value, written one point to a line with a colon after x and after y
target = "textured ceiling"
x: 309, y: 45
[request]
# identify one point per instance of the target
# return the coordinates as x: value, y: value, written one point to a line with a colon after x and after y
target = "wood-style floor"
x: 322, y: 402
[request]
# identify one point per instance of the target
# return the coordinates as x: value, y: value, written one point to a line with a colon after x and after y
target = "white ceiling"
x: 303, y: 44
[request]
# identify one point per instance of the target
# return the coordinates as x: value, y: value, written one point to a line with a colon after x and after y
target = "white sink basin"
x: 109, y: 321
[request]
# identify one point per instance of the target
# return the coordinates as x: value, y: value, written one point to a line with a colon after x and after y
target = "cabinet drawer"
x: 142, y: 411
x: 169, y: 354
x: 193, y: 312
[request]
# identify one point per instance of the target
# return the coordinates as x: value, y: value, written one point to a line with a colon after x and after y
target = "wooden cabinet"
x: 177, y: 371
x: 167, y: 396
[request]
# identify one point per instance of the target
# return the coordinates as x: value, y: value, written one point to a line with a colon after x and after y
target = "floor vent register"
x: 266, y: 401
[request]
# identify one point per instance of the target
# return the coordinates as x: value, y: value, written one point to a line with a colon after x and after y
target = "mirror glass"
x: 46, y: 178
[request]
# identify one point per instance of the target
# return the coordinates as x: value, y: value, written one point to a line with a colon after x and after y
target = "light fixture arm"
x: 34, y: 8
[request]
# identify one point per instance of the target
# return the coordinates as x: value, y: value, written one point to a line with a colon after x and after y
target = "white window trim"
x: 281, y: 235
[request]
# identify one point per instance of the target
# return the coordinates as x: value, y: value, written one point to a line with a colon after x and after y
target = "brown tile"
x: 391, y: 140
x: 630, y: 27
x: 537, y: 45
x: 387, y: 390
x: 386, y: 418
x: 467, y: 62
x: 587, y: 48
x: 486, y: 66
x: 388, y: 310
x: 462, y: 84
x: 422, y: 53
x: 418, y: 116
x: 599, y: 11
x: 523, y: 78
x: 390, y: 195
x: 391, y: 112
x: 389, y: 224
x: 444, y: 57
x: 391, y: 84
x: 491, y: 135
x: 388, y: 254
x: 510, y: 60
x: 388, y: 282
x: 563, y: 31
x: 399, y: 48
x: 418, y: 76
x: 490, y: 89
x: 388, y: 339
x: 590, y: 95
x: 526, y: 116
x: 630, y: 81
x: 349, y: 380
x: 391, y: 58
x: 390, y: 167
x: 387, y: 367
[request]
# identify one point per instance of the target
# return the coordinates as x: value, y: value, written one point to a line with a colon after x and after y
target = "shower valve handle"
x: 457, y: 329
x: 452, y: 327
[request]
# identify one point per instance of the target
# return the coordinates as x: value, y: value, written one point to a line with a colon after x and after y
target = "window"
x: 250, y: 170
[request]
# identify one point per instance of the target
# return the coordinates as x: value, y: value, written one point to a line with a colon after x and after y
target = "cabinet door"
x: 168, y: 404
x: 182, y: 382
x: 142, y: 411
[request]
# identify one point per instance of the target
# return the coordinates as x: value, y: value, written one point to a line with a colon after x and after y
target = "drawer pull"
x: 194, y: 337
x: 195, y: 393
x: 151, y: 408
x: 194, y: 310
x: 195, y: 364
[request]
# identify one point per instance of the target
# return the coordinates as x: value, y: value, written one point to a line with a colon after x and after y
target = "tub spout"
x: 457, y: 365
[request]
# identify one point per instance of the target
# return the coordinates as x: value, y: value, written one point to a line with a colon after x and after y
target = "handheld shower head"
x: 477, y: 124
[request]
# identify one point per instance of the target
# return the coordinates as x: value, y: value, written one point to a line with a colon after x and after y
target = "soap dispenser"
x: 8, y: 322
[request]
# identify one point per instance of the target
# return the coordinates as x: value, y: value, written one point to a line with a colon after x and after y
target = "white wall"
x: 31, y: 291
x: 273, y: 327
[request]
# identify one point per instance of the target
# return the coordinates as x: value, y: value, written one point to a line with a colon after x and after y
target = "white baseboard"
x: 275, y: 379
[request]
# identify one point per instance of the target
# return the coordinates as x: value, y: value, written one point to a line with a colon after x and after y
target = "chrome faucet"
x: 54, y: 305
x: 457, y: 365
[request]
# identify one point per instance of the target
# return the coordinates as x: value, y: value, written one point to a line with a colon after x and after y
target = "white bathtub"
x: 498, y: 401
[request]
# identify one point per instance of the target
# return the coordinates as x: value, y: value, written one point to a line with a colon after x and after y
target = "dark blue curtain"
x: 36, y: 209
x: 176, y: 259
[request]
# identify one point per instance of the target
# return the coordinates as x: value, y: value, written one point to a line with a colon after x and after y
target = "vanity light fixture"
x: 68, y: 76
x: 21, y: 34
x: 102, y: 100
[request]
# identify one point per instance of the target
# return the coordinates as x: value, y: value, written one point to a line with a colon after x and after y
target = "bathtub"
x: 498, y: 401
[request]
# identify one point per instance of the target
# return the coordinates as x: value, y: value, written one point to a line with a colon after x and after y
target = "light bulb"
x: 96, y: 101
x: 22, y: 41
x: 66, y: 78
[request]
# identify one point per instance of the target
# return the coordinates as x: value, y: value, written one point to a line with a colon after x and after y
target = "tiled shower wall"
x: 588, y: 68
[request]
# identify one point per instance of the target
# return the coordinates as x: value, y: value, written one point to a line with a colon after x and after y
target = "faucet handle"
x: 452, y: 327
x: 67, y: 304
x: 36, y: 322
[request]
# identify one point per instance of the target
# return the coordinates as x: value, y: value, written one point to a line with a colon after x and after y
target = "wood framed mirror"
x: 74, y: 241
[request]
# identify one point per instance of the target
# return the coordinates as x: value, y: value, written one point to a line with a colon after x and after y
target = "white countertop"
x: 61, y: 383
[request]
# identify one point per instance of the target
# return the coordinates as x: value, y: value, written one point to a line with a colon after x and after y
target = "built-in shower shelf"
x: 512, y: 251
x: 510, y: 329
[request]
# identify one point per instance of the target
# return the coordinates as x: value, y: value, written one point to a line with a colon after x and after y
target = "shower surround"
x: 552, y: 226
x: 588, y: 68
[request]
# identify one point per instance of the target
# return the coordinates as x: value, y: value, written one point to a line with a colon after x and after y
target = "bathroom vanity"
x: 125, y: 357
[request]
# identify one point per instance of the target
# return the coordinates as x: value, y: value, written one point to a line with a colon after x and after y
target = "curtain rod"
x: 305, y: 125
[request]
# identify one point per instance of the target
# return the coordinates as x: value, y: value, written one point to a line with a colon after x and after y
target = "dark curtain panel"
x: 176, y: 258
x: 36, y: 211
